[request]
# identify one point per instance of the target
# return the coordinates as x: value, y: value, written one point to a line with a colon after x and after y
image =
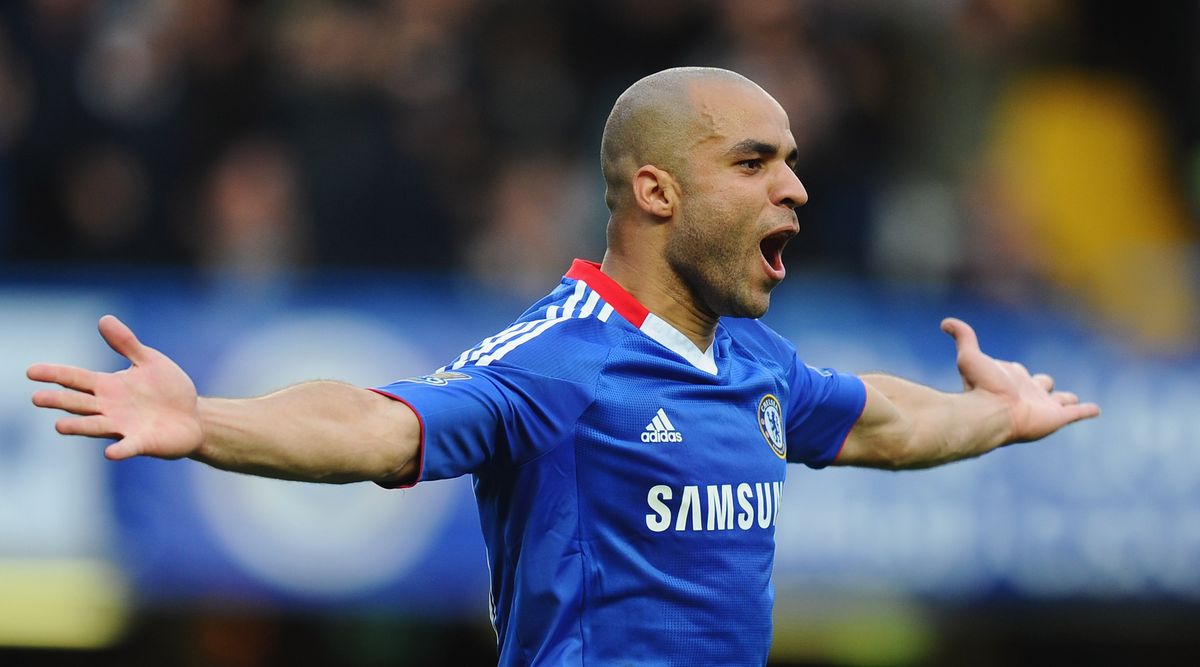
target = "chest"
x: 684, y: 454
x: 679, y: 422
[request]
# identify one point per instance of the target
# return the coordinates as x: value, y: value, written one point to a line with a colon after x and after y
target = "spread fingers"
x: 1044, y: 381
x: 94, y: 426
x: 74, y: 402
x: 70, y: 377
x: 1065, y: 397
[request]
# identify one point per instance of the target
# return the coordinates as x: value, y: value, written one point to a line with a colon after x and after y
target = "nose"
x: 790, y: 191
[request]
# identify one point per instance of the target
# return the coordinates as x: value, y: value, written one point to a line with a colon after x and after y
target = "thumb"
x: 121, y: 339
x: 968, y: 355
x: 965, y: 340
x: 121, y: 450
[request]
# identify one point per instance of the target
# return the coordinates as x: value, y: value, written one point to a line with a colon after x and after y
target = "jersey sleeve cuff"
x: 861, y: 408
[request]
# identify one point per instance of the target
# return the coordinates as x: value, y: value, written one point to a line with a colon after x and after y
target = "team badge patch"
x: 770, y: 422
x: 437, y: 379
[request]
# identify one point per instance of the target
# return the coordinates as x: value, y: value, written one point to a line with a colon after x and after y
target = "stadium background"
x: 273, y: 191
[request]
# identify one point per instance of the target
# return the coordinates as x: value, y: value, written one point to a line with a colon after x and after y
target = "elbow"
x: 406, y: 473
x: 401, y: 444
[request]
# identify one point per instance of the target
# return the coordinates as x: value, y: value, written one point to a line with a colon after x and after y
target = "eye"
x: 753, y: 164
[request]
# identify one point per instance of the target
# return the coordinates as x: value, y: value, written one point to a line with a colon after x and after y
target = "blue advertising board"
x: 1106, y: 508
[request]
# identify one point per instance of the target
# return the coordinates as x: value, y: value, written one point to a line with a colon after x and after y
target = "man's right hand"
x: 148, y: 408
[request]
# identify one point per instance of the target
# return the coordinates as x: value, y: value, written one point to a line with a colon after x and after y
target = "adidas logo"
x: 660, y: 429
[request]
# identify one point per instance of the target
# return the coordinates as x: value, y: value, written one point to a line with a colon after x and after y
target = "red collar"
x: 613, y: 294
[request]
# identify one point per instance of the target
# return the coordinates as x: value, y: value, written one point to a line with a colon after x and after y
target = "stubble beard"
x: 712, y: 266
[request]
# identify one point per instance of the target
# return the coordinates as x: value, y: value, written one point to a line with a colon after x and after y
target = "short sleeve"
x: 824, y: 406
x: 485, y: 416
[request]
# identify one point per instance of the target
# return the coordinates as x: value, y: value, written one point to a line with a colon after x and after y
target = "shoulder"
x: 567, y: 335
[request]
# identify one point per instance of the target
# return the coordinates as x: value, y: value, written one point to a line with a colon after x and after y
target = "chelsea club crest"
x: 770, y: 422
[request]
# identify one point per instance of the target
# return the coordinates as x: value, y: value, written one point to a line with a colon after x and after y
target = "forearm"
x: 316, y: 431
x: 925, y: 427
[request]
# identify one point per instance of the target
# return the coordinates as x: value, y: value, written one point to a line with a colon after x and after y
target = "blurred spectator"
x: 47, y: 39
x: 128, y: 74
x: 104, y: 198
x: 14, y: 114
x: 529, y: 94
x: 144, y: 84
x: 536, y: 223
x: 370, y: 202
x: 251, y: 227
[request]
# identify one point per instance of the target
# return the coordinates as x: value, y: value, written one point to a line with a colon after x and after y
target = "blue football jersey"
x: 628, y: 483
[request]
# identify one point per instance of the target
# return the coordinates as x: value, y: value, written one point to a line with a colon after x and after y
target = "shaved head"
x: 655, y: 122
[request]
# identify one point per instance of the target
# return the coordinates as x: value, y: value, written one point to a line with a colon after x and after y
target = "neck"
x: 663, y: 293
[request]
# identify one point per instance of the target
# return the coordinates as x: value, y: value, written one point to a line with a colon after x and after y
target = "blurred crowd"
x: 1020, y: 149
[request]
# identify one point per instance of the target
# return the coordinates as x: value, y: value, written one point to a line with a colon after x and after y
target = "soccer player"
x: 629, y: 434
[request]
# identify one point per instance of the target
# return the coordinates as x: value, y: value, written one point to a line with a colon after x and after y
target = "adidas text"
x: 662, y: 436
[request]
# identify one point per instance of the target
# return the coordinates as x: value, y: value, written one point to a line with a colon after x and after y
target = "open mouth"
x: 772, y: 252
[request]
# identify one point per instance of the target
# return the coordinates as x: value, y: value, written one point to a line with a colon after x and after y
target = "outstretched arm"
x: 315, y: 431
x: 907, y: 425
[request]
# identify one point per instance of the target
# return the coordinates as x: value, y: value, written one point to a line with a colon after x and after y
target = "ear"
x: 655, y: 191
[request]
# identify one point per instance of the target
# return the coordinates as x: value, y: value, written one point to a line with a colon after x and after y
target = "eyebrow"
x: 767, y: 150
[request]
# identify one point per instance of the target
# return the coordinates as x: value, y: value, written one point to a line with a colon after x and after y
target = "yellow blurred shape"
x: 853, y: 631
x: 1086, y: 165
x: 61, y: 603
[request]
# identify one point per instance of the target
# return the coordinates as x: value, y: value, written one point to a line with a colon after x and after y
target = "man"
x: 628, y: 445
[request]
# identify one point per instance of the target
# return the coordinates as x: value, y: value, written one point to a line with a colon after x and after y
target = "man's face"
x: 739, y: 195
